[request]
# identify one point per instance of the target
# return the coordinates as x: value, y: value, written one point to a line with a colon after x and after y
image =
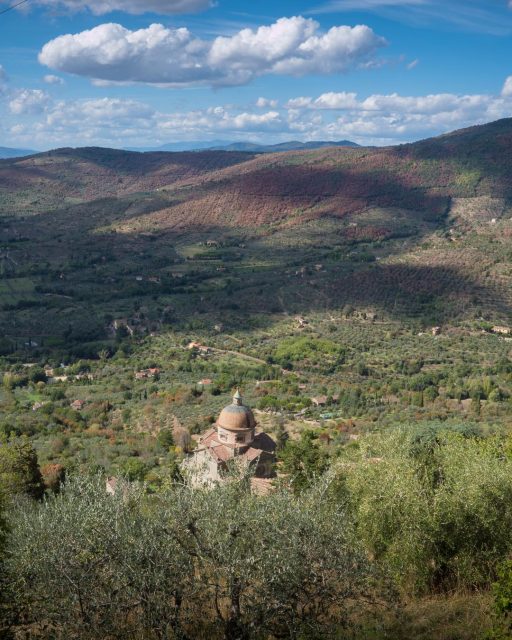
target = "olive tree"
x: 437, y: 513
x: 276, y: 564
x: 88, y: 564
x: 215, y: 562
x: 19, y: 468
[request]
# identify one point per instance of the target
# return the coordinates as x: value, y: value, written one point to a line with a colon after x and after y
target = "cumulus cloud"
x: 35, y: 119
x: 119, y: 122
x: 393, y: 103
x: 380, y: 119
x: 330, y: 100
x: 51, y: 79
x: 28, y: 101
x: 263, y: 103
x: 174, y: 57
x: 101, y: 7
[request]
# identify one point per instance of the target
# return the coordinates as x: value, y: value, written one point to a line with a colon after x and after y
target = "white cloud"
x: 51, y: 79
x: 293, y: 46
x: 116, y: 122
x: 101, y: 7
x: 507, y: 87
x: 263, y: 103
x: 299, y: 103
x: 28, y: 101
x: 380, y: 119
x: 174, y: 57
x: 436, y: 103
x: 393, y: 103
x: 333, y: 100
x: 413, y: 64
x: 34, y: 119
x: 207, y: 122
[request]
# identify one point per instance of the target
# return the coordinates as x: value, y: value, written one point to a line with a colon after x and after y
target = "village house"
x: 199, y: 347
x: 147, y: 373
x: 233, y: 438
x: 84, y: 376
x: 55, y: 379
x: 77, y: 405
x: 321, y: 401
x: 504, y: 331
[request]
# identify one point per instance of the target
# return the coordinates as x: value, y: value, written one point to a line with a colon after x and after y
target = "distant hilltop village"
x: 233, y: 437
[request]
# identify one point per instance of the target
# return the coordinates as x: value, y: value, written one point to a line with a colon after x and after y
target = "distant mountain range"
x: 212, y: 145
x: 251, y: 147
x: 7, y: 152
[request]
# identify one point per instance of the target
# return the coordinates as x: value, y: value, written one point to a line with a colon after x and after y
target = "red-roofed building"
x: 233, y: 438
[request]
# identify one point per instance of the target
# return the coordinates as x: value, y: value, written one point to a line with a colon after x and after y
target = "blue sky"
x: 147, y: 72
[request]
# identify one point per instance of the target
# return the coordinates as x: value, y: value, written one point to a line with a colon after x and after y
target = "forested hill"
x: 213, y: 187
x: 416, y: 231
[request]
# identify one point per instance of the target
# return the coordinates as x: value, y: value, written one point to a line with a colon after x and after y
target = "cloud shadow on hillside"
x: 404, y: 291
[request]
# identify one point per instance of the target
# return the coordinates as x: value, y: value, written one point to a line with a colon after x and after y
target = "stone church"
x: 233, y: 437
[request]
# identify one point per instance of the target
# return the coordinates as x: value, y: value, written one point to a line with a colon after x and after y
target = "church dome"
x: 236, y: 416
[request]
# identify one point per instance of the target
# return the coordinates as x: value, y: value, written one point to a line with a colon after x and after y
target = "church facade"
x: 234, y: 437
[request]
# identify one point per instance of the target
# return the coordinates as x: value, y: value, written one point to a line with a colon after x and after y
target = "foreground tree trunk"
x: 235, y: 628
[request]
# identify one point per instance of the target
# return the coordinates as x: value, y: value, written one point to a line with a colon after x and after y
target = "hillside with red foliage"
x: 211, y: 189
x: 55, y: 178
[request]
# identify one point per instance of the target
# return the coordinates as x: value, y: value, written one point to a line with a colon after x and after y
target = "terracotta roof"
x: 252, y: 453
x: 223, y: 452
x: 208, y: 436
